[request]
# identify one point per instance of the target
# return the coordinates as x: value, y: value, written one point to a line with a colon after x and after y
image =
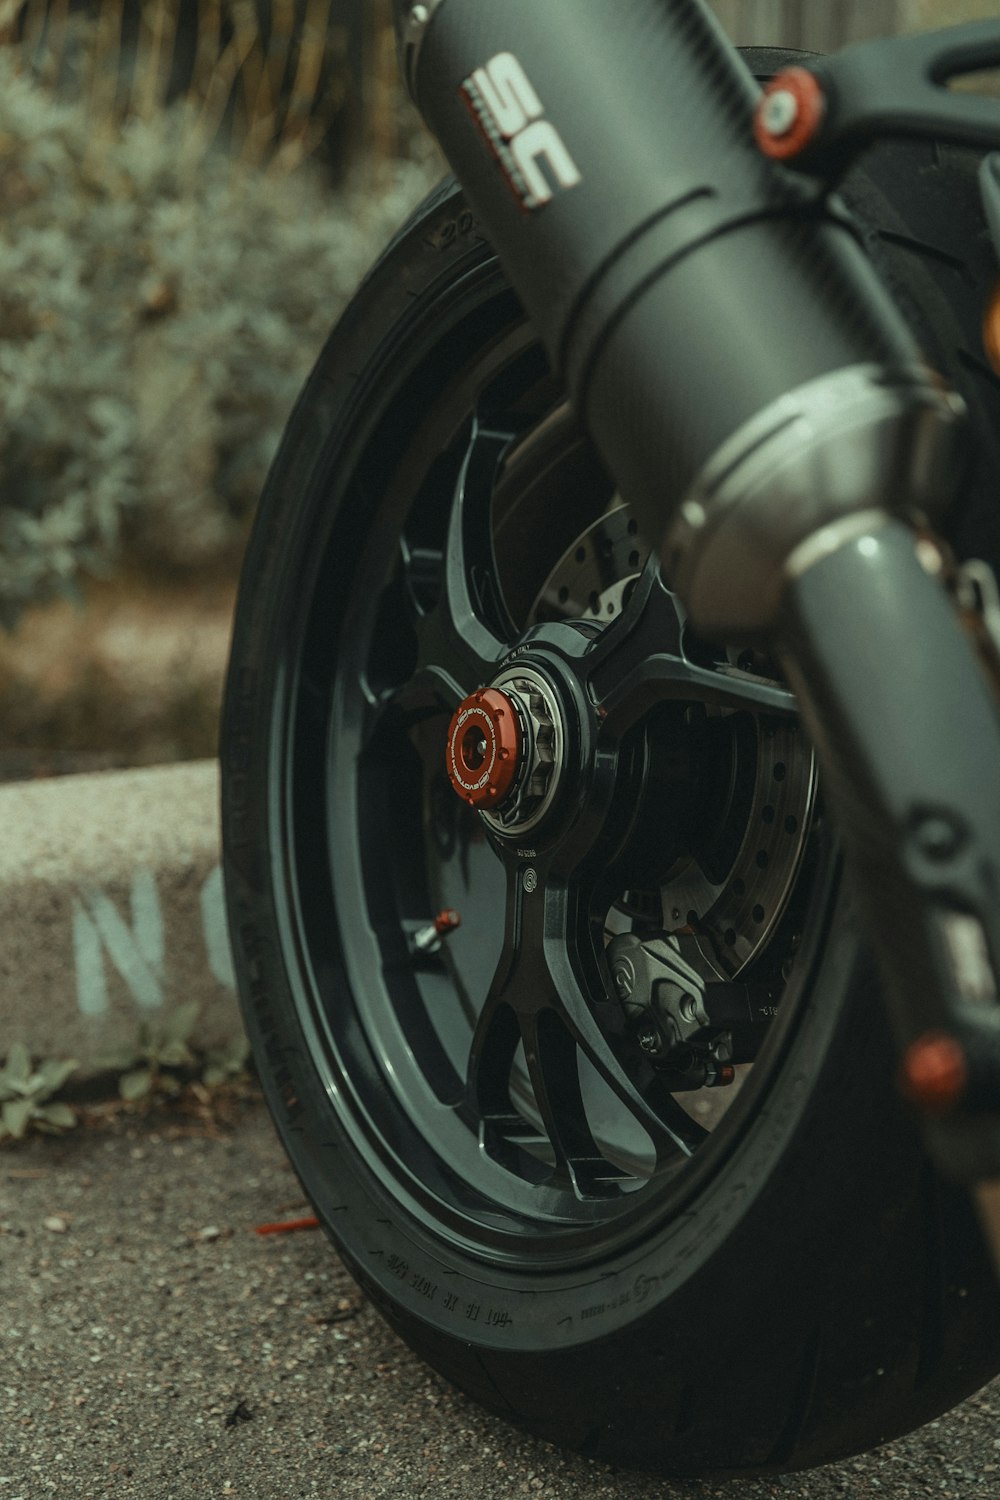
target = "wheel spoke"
x: 504, y: 1131
x: 537, y: 999
x: 492, y: 1046
x: 448, y: 600
x: 491, y: 1060
x: 640, y: 661
x: 551, y: 1055
x: 497, y: 1032
x: 463, y: 636
x: 393, y: 711
x: 430, y: 690
x: 647, y: 1106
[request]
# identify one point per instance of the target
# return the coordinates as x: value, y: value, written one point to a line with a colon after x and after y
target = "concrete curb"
x: 111, y: 911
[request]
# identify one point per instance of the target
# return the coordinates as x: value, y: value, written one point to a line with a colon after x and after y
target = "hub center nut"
x: 505, y: 749
x: 484, y: 748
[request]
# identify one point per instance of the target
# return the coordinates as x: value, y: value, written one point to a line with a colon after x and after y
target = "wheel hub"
x: 505, y: 748
x: 485, y: 748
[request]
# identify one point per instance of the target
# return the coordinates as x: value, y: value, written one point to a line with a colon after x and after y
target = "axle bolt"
x: 790, y: 115
x: 779, y: 112
x: 504, y: 752
x: 484, y: 748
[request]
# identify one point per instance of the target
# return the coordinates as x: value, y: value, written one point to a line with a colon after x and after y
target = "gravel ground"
x: 153, y: 1346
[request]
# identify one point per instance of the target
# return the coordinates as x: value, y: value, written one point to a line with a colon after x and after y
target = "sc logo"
x: 511, y: 117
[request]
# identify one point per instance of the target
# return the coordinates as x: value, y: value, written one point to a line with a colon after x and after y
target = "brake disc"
x: 733, y: 913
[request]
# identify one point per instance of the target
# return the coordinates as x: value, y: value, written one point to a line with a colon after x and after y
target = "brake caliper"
x: 696, y: 1031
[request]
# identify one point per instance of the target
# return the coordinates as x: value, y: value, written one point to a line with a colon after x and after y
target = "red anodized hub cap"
x: 484, y: 748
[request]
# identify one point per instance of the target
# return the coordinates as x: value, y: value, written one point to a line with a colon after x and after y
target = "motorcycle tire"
x: 797, y: 1284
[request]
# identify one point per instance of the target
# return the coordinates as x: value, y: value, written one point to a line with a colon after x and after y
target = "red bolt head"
x: 804, y: 116
x: 935, y: 1072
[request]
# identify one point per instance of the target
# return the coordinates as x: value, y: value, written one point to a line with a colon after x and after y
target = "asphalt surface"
x: 152, y: 1345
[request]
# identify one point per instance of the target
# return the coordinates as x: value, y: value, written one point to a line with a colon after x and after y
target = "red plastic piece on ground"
x: 287, y: 1226
x: 935, y: 1072
x: 810, y: 101
x: 484, y: 748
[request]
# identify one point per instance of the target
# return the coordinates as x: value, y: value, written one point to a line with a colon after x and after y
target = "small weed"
x: 160, y: 1048
x: 223, y: 1064
x: 26, y: 1094
x: 163, y: 1060
x: 161, y: 1067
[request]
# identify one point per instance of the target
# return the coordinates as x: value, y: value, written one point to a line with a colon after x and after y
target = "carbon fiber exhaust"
x: 717, y: 326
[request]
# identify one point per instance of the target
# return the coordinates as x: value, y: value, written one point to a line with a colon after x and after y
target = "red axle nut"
x: 484, y: 748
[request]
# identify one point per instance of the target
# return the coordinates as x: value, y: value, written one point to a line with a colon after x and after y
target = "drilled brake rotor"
x: 734, y: 911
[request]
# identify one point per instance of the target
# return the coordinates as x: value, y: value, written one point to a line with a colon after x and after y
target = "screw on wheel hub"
x: 484, y: 748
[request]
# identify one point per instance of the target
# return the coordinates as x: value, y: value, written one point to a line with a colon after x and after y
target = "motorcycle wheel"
x: 625, y: 1269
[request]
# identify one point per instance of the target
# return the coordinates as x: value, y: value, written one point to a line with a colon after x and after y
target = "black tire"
x: 805, y: 1287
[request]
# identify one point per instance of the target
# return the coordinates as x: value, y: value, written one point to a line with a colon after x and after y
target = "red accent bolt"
x: 935, y: 1072
x: 991, y: 329
x: 783, y: 133
x: 428, y: 939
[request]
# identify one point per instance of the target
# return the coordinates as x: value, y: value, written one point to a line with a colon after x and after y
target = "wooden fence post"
x: 816, y: 25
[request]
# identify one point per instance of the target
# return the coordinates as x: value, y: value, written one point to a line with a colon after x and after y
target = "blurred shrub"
x: 299, y: 74
x: 160, y: 305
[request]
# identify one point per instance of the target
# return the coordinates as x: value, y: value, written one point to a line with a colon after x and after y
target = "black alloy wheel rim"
x: 484, y: 1086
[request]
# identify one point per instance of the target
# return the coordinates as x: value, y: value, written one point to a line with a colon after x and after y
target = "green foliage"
x: 225, y: 1063
x: 160, y: 1047
x: 160, y: 306
x: 146, y: 1070
x: 26, y: 1094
